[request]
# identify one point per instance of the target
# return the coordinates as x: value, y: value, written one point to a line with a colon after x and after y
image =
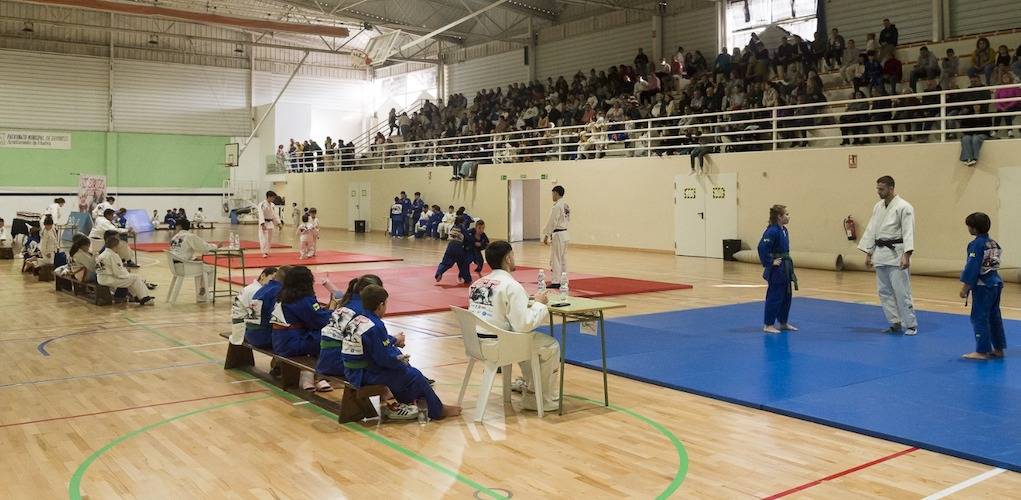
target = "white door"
x: 515, y: 210
x: 689, y: 216
x: 359, y: 205
x: 705, y: 213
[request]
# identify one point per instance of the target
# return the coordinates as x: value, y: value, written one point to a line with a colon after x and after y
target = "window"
x: 745, y: 17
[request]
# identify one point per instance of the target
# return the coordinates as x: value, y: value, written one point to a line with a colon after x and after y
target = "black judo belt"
x: 889, y: 243
x: 788, y: 266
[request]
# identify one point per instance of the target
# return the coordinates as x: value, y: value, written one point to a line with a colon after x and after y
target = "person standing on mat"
x: 981, y: 279
x: 306, y: 238
x: 295, y: 214
x: 775, y: 256
x: 269, y: 220
x: 455, y: 254
x: 888, y: 243
x: 555, y: 235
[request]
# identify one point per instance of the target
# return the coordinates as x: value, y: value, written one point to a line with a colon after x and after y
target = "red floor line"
x: 131, y: 408
x: 840, y: 474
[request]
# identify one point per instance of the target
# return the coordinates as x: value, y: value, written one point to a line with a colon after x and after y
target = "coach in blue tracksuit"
x: 774, y: 254
x: 417, y: 207
x: 981, y: 278
x: 409, y: 224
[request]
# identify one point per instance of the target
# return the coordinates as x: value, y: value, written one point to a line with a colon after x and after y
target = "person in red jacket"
x: 893, y: 73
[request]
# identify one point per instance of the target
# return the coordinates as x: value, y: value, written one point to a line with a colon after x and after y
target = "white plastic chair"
x: 180, y: 271
x: 502, y: 352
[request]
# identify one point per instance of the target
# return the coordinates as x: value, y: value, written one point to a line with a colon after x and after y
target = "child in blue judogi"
x: 435, y: 218
x: 981, y: 278
x: 455, y: 254
x: 372, y: 357
x: 774, y: 254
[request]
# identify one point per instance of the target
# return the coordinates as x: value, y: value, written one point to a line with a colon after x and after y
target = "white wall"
x: 599, y: 49
x: 489, y: 72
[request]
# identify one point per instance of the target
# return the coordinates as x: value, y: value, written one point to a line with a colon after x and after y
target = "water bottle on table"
x: 542, y: 283
x: 564, y: 291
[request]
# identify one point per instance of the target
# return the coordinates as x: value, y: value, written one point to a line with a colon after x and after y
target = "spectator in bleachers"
x: 391, y: 120
x: 893, y: 73
x: 641, y: 62
x: 786, y: 54
x: 931, y: 100
x: 281, y: 157
x: 926, y: 68
x: 835, y: 51
x: 908, y: 126
x: 1012, y: 103
x: 1015, y: 64
x: 847, y: 130
x: 870, y: 43
x: 950, y: 68
x: 880, y: 113
x: 1002, y: 63
x: 722, y: 64
x: 853, y: 67
x: 888, y: 38
x: 977, y: 123
x: 983, y: 60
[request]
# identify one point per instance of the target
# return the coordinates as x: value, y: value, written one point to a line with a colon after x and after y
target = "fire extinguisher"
x: 849, y: 229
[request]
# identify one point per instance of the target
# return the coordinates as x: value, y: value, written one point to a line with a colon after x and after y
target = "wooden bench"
x: 354, y: 405
x: 92, y: 292
x: 6, y: 253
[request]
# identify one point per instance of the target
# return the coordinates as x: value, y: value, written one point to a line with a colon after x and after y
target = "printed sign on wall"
x: 34, y: 140
x: 91, y: 192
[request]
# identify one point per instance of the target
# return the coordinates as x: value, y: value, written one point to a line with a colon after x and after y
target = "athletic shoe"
x: 400, y: 411
x: 147, y: 301
x: 131, y: 265
x: 519, y: 385
x: 151, y: 286
x: 893, y: 329
x: 911, y: 331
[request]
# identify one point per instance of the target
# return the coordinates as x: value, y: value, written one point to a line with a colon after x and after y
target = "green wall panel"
x: 128, y: 160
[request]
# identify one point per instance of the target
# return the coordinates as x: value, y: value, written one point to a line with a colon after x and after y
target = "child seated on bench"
x: 110, y: 271
x: 243, y: 313
x: 346, y: 307
x: 32, y: 256
x: 297, y: 322
x: 259, y: 331
x: 83, y: 262
x: 371, y: 357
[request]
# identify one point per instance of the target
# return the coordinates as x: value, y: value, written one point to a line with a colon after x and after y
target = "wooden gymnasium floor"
x: 133, y: 403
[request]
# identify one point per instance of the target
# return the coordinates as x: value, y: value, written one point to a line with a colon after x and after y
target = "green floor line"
x: 74, y: 487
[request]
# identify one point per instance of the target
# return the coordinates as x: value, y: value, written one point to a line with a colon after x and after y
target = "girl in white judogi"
x: 313, y: 218
x: 110, y: 271
x: 307, y: 238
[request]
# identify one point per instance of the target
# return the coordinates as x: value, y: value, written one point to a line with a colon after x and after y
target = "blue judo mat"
x: 839, y: 370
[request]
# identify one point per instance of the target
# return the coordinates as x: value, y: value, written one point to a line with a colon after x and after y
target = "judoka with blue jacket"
x: 371, y: 357
x: 263, y: 301
x: 981, y: 278
x: 778, y: 270
x: 297, y: 326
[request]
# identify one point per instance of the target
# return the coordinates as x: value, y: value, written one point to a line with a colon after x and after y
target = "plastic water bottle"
x: 423, y: 416
x: 235, y: 242
x: 542, y: 282
x: 564, y: 291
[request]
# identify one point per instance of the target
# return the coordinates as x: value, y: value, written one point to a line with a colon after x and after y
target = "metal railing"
x: 937, y: 115
x: 364, y: 140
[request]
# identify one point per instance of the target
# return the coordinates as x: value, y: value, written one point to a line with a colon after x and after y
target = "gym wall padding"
x: 127, y: 160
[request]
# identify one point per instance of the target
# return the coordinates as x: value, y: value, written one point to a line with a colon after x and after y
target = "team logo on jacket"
x: 481, y: 293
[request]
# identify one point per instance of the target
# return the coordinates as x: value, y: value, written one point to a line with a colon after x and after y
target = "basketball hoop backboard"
x: 231, y: 153
x: 381, y: 47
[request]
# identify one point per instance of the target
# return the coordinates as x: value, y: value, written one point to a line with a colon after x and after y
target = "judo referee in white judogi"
x: 269, y: 221
x: 889, y: 241
x: 555, y: 234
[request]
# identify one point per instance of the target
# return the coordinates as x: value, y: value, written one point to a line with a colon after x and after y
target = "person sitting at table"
x: 500, y: 300
x: 188, y: 248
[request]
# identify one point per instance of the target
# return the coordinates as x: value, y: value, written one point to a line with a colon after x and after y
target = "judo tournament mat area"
x: 133, y: 402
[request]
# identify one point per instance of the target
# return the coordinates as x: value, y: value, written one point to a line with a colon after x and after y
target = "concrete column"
x: 532, y: 50
x: 657, y: 40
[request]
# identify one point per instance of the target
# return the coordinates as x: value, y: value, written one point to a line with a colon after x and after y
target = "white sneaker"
x: 403, y: 411
x: 520, y: 386
x: 911, y: 331
x: 528, y: 403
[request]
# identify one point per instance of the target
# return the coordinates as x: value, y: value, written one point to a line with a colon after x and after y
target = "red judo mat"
x: 164, y: 246
x: 414, y: 291
x: 291, y: 259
